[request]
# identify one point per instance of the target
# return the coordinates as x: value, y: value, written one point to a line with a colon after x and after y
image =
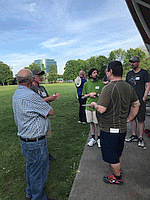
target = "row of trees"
x: 73, y: 67
x: 6, y: 74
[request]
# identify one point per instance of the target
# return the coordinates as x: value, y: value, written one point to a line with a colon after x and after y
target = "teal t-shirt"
x: 92, y: 86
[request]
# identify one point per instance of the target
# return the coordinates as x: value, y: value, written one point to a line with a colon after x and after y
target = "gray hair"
x: 81, y: 72
x: 24, y: 80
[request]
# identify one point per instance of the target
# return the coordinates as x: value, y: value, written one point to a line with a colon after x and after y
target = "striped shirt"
x: 30, y: 113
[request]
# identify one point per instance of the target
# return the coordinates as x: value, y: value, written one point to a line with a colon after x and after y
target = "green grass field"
x: 66, y: 144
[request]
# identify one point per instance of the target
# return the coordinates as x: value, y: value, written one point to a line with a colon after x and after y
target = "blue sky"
x: 63, y: 30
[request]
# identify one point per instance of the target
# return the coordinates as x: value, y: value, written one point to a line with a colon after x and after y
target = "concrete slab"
x: 89, y: 185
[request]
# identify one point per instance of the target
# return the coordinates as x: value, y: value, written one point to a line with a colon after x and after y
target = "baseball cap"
x: 37, y: 72
x: 134, y: 59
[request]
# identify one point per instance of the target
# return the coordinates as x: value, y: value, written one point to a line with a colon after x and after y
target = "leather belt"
x: 32, y: 139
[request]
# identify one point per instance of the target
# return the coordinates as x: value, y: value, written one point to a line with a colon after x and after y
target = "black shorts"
x: 142, y: 109
x: 112, y: 146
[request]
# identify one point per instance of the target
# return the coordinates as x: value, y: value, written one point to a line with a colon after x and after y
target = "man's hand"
x: 53, y: 97
x: 92, y: 105
x: 51, y: 112
x: 134, y: 110
x: 93, y: 94
x: 144, y: 98
x: 146, y: 91
x: 57, y: 95
x: 99, y: 108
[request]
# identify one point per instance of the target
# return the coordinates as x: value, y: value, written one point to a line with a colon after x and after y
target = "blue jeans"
x: 37, y: 167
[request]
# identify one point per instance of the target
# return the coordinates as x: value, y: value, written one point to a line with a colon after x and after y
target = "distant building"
x: 46, y: 63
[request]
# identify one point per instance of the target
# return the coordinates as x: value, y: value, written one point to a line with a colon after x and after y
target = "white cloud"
x: 63, y: 30
x: 93, y: 48
x: 55, y: 42
x: 30, y: 7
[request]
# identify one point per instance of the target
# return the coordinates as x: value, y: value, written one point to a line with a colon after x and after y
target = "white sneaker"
x: 98, y: 143
x: 91, y: 142
x: 141, y: 142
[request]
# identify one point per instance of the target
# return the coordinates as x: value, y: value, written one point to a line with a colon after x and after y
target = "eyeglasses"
x: 133, y: 61
x: 107, y: 70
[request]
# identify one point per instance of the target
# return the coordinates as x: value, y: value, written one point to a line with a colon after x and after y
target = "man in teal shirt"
x: 91, y: 90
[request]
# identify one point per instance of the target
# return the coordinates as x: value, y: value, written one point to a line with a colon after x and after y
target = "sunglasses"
x: 133, y: 61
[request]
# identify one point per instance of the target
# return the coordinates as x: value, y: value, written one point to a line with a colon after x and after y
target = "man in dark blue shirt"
x: 82, y: 116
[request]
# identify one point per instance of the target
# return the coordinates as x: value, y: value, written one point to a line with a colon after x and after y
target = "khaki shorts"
x: 91, y: 116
